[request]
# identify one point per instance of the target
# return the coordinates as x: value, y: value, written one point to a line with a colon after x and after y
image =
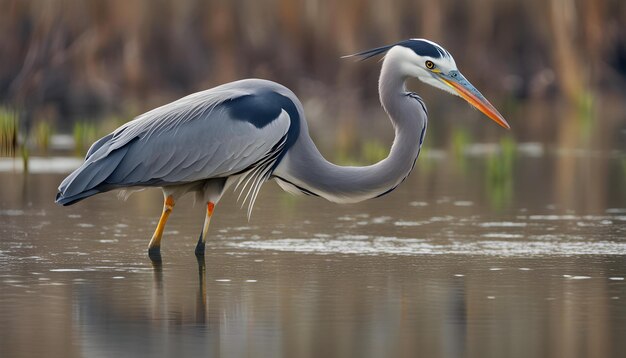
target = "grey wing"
x: 213, y: 145
x: 216, y: 133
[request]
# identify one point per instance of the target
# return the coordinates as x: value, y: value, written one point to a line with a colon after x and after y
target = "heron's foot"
x: 155, y: 253
x: 200, y: 247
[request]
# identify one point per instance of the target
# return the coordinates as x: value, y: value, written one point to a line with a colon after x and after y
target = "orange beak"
x: 463, y: 88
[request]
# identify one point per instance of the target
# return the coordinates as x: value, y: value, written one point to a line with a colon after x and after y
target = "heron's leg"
x: 210, y: 206
x: 154, y: 249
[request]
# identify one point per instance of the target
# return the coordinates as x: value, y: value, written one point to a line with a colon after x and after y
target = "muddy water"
x: 445, y: 266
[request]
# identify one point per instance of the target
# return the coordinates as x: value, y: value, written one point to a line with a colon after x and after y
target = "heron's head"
x: 432, y: 64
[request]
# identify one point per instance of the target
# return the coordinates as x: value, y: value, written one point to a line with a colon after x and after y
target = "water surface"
x: 445, y: 266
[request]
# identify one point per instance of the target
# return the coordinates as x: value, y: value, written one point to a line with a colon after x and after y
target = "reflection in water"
x: 242, y: 303
x: 454, y: 331
x: 295, y: 309
x: 201, y: 302
x: 157, y: 289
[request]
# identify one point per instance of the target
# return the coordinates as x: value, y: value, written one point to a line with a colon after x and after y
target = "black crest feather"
x: 419, y: 46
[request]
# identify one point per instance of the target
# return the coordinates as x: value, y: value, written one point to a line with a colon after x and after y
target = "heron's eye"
x: 430, y: 65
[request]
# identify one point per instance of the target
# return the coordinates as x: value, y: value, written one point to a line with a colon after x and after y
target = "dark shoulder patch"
x: 258, y: 109
x: 423, y: 48
x: 262, y: 108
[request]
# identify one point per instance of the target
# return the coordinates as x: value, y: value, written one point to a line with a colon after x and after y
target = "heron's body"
x: 245, y: 133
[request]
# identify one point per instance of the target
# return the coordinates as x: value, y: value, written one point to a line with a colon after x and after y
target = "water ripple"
x: 406, y: 246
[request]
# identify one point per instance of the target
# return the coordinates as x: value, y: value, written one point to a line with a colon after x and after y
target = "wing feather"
x: 197, y: 150
x: 227, y: 130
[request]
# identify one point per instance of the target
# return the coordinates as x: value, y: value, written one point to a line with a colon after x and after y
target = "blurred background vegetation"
x: 555, y: 68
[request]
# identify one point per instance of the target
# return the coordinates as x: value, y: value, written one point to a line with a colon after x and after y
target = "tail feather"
x: 90, y: 178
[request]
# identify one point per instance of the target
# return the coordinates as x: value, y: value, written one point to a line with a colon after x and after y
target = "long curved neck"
x: 303, y: 167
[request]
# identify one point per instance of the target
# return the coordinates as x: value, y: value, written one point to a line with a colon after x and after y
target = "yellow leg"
x: 210, y: 206
x: 154, y: 249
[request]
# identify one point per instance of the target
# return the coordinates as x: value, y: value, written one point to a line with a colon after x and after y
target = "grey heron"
x: 247, y: 132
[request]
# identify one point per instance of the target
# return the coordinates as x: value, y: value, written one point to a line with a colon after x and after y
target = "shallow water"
x: 445, y: 266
